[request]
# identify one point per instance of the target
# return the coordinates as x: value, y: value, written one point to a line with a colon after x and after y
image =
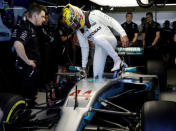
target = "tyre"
x: 11, y: 106
x: 156, y: 67
x: 158, y: 116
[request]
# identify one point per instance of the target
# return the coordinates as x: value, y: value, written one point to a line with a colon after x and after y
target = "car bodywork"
x: 87, y: 95
x: 84, y: 101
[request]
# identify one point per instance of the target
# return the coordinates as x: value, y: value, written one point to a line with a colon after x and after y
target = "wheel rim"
x: 14, y: 111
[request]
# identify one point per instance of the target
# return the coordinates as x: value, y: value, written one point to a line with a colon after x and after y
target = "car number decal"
x: 86, y: 94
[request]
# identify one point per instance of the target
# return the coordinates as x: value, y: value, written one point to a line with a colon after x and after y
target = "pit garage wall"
x: 160, y: 15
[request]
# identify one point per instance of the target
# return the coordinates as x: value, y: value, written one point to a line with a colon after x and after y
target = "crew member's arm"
x: 136, y: 32
x: 158, y: 28
x: 143, y: 39
x: 19, y: 47
x: 174, y: 39
x: 135, y: 37
x: 111, y: 22
x: 156, y: 38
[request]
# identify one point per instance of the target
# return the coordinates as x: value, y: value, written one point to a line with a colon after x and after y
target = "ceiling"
x: 87, y: 4
x: 80, y: 3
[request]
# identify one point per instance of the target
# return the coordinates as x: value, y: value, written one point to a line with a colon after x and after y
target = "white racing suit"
x: 105, y: 42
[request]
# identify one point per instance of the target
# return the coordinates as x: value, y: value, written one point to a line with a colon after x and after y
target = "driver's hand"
x: 124, y: 40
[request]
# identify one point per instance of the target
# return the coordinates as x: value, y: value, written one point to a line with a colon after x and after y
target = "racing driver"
x: 94, y: 26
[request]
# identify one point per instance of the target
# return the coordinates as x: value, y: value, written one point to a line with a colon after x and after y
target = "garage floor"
x: 171, y: 82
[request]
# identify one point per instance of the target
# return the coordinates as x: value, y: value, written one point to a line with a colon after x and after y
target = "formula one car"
x: 93, y: 105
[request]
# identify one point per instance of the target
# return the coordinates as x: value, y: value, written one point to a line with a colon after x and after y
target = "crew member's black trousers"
x: 28, y: 81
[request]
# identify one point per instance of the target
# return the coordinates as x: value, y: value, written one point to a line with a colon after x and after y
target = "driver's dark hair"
x: 36, y: 8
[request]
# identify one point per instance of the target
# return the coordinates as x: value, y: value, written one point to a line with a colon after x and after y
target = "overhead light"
x: 112, y: 8
x: 118, y: 3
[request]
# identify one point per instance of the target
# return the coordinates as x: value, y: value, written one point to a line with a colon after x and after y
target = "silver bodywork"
x: 88, y: 90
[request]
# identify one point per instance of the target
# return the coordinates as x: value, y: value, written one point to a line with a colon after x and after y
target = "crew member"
x: 130, y: 28
x: 27, y: 48
x: 150, y: 35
